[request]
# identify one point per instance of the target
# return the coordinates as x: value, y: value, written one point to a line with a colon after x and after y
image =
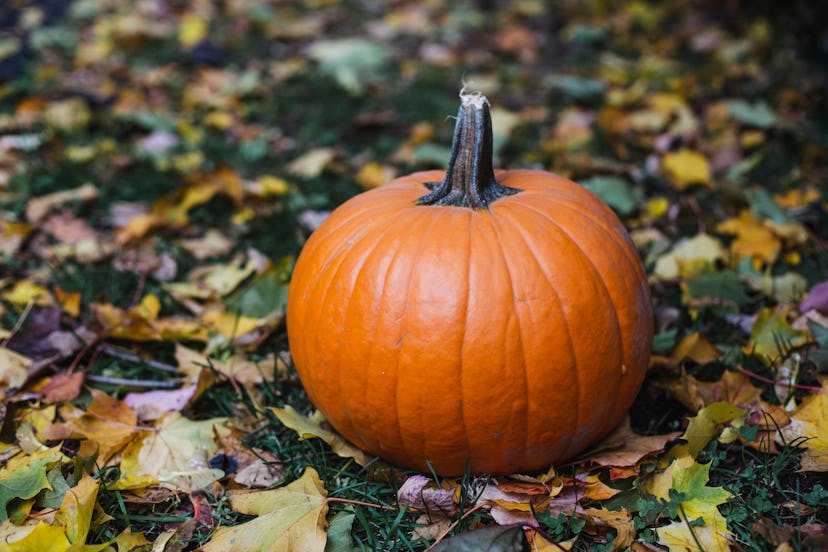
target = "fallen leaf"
x: 13, y: 369
x: 420, y: 492
x: 106, y: 426
x: 312, y: 163
x: 212, y: 244
x: 707, y: 423
x: 689, y: 479
x: 810, y: 421
x: 353, y: 63
x: 753, y: 237
x: 680, y: 537
x: 175, y: 453
x: 772, y: 337
x: 37, y: 208
x: 309, y: 428
x: 689, y: 256
x: 24, y: 476
x: 685, y: 167
x: 488, y: 539
x: 63, y: 386
x: 288, y: 518
x: 598, y: 521
x: 817, y: 299
x: 633, y: 448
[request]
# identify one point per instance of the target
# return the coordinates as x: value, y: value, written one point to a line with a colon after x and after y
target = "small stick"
x: 144, y: 384
x: 123, y: 354
x: 19, y: 324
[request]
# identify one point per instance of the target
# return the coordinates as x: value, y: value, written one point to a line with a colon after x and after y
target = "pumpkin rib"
x: 494, y: 224
x: 342, y: 254
x: 405, y: 219
x: 390, y: 234
x: 627, y: 246
x: 412, y: 273
x: 506, y: 216
x: 470, y: 250
x: 369, y: 252
x: 599, y: 276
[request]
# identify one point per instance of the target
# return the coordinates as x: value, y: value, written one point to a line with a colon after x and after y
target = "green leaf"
x: 577, y: 88
x: 264, y: 296
x: 615, y: 192
x: 339, y: 533
x: 725, y: 286
x: 490, y: 539
x: 24, y: 477
x: 352, y: 62
x: 757, y: 114
x: 819, y: 332
x: 705, y: 425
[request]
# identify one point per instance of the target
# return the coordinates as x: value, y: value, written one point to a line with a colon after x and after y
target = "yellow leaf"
x: 25, y: 292
x: 178, y: 453
x: 269, y: 186
x: 705, y: 425
x: 192, y: 30
x: 230, y: 325
x: 221, y: 120
x: 44, y: 538
x: 308, y: 428
x: 811, y: 422
x: 696, y: 348
x: 753, y: 237
x: 290, y: 518
x: 772, y: 336
x: 686, y: 167
x: 69, y: 301
x: 599, y: 520
x: 107, y: 425
x: 13, y: 369
x: 373, y: 175
x: 680, y: 537
x: 75, y: 514
x: 689, y: 256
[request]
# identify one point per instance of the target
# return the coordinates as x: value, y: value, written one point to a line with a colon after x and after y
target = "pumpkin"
x: 496, y: 321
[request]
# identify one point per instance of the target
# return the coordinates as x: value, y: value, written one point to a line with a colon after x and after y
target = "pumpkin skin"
x: 501, y: 340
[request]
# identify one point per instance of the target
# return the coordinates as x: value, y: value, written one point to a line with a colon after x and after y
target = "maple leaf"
x: 290, y: 518
x: 107, y: 425
x: 175, y: 453
x: 688, y: 480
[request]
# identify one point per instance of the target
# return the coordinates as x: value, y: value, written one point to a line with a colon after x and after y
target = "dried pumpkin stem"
x: 470, y: 179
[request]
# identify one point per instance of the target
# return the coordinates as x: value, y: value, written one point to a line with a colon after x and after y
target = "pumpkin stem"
x: 470, y: 179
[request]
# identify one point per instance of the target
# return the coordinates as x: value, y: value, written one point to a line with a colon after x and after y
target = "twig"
x: 359, y: 503
x: 453, y: 525
x: 144, y: 384
x: 782, y: 383
x: 123, y: 354
x: 19, y: 324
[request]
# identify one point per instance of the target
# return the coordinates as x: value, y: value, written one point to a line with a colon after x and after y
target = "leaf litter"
x: 160, y: 167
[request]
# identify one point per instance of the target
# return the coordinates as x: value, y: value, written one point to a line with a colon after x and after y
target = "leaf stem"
x: 782, y: 383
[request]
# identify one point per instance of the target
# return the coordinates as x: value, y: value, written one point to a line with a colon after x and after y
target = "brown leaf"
x: 39, y: 207
x: 63, y: 386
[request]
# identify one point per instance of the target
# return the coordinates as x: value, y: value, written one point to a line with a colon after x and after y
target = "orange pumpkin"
x: 494, y: 320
